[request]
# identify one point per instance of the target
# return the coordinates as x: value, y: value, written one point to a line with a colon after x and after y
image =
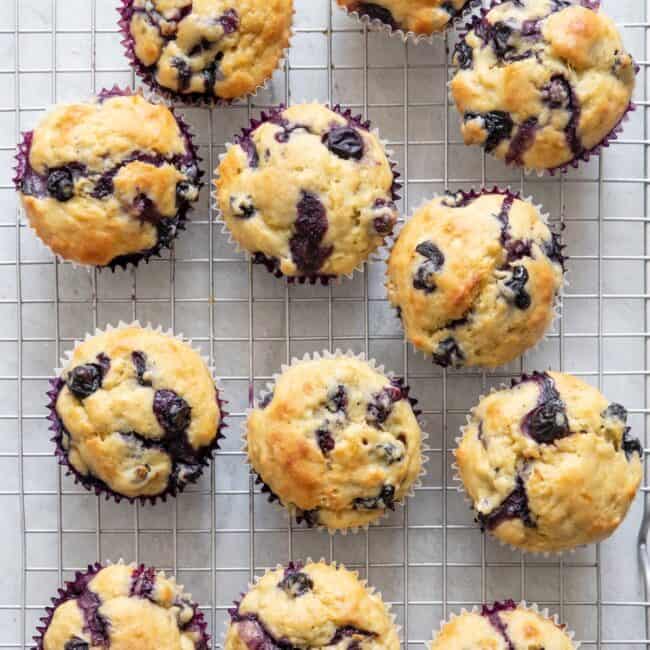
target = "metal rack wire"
x: 428, y: 559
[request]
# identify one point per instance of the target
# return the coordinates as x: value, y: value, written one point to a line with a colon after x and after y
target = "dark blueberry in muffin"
x: 548, y: 422
x: 424, y: 276
x: 76, y: 644
x: 325, y: 439
x: 631, y: 445
x: 522, y: 141
x: 84, y: 380
x: 60, y: 184
x: 381, y: 406
x: 140, y: 363
x: 345, y: 142
x: 498, y: 125
x: 515, y: 506
x: 615, y: 411
x: 553, y: 249
x: 389, y: 453
x: 230, y: 21
x: 337, y: 399
x: 463, y: 55
x: 376, y: 12
x: 184, y: 72
x: 309, y: 517
x: 429, y: 250
x: 143, y: 582
x: 501, y: 34
x: 448, y: 353
x: 185, y: 192
x: 310, y: 228
x: 557, y: 92
x: 296, y: 584
x: 242, y: 206
x: 516, y: 284
x: 385, y: 499
x: 266, y: 400
x: 172, y: 411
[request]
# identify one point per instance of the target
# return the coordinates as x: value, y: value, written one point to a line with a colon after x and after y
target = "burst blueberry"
x: 85, y: 380
x: 345, y: 142
x: 385, y: 499
x: 76, y: 644
x: 310, y: 229
x: 448, y: 353
x: 498, y: 124
x: 296, y: 584
x: 60, y: 184
x: 377, y: 12
x: 172, y: 411
x: 514, y: 506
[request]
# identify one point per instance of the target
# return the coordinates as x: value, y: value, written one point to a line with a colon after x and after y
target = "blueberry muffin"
x: 312, y: 606
x: 549, y: 463
x: 337, y: 442
x: 123, y: 608
x: 135, y: 413
x: 419, y: 17
x: 206, y: 51
x: 542, y: 83
x: 110, y: 181
x: 474, y: 278
x: 502, y: 626
x: 309, y: 191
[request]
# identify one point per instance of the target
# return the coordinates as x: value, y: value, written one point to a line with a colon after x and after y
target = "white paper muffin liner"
x: 93, y: 483
x: 291, y: 511
x: 530, y: 607
x: 148, y: 77
x: 21, y: 157
x: 69, y: 588
x: 544, y: 216
x: 376, y: 255
x: 377, y: 25
x: 298, y: 564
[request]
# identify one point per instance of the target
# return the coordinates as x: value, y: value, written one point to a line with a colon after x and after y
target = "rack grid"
x: 428, y: 558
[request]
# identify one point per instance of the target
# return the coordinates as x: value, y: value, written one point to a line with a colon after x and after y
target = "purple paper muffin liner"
x: 585, y: 155
x: 310, y: 517
x: 148, y: 75
x: 94, y: 484
x: 380, y: 19
x: 25, y: 173
x: 243, y: 139
x: 76, y: 587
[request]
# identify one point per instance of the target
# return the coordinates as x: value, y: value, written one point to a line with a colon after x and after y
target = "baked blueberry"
x: 498, y: 126
x: 60, y: 184
x: 296, y: 583
x: 339, y: 187
x: 384, y: 500
x: 148, y: 431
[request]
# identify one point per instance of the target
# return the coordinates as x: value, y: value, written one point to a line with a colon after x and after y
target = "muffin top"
x: 138, y: 412
x: 124, y: 608
x: 422, y: 17
x: 309, y: 191
x: 202, y: 50
x: 337, y: 440
x: 108, y: 181
x: 475, y: 278
x: 502, y: 626
x: 549, y: 463
x: 541, y: 83
x: 313, y: 606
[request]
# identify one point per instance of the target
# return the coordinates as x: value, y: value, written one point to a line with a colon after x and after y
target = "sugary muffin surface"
x: 309, y: 192
x: 502, y: 626
x: 124, y: 607
x: 475, y: 278
x: 108, y: 181
x: 417, y: 16
x: 549, y: 463
x: 207, y: 49
x: 542, y: 82
x: 139, y: 412
x: 313, y: 606
x: 337, y: 441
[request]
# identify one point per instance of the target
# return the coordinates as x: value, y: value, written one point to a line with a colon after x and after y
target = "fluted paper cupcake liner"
x: 94, y: 484
x: 272, y: 265
x: 585, y: 155
x: 507, y: 605
x: 378, y: 25
x: 148, y: 76
x: 22, y: 167
x: 78, y: 584
x: 297, y: 565
x: 461, y: 196
x: 306, y: 517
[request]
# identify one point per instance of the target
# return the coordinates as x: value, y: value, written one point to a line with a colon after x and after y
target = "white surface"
x: 250, y: 323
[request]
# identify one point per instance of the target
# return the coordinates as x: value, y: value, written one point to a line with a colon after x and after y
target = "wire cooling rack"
x: 428, y: 558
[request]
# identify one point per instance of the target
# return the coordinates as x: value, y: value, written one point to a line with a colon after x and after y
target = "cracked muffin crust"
x: 309, y: 191
x: 542, y: 84
x: 502, y: 626
x: 206, y: 50
x: 421, y: 17
x: 316, y: 605
x: 123, y: 607
x: 110, y: 181
x: 549, y: 463
x: 337, y: 442
x: 474, y: 278
x: 136, y: 413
